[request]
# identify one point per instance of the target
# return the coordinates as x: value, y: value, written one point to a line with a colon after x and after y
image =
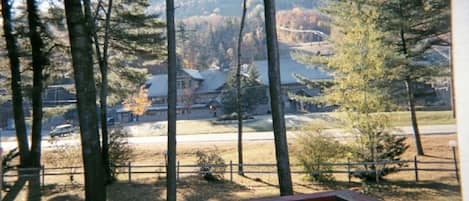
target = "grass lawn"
x: 264, y: 123
x: 433, y: 186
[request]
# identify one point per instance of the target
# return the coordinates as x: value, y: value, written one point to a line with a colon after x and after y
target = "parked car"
x: 62, y: 130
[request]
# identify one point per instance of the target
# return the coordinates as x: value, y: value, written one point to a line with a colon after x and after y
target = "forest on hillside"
x: 215, y: 36
x: 188, y: 8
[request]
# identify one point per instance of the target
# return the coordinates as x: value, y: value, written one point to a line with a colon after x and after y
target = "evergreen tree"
x: 415, y: 26
x: 82, y: 59
x: 253, y: 92
x: 16, y: 81
x: 116, y: 25
x: 134, y: 39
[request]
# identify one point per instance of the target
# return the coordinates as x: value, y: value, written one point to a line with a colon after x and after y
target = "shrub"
x: 120, y: 151
x: 211, y: 165
x: 234, y: 116
x: 314, y: 147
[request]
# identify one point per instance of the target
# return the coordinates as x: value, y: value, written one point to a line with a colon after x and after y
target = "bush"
x: 211, y: 165
x: 234, y: 116
x: 313, y: 147
x: 120, y: 151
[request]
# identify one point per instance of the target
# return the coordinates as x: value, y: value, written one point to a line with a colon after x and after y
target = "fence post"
x: 348, y: 170
x: 129, y: 170
x: 177, y: 171
x: 231, y: 170
x: 416, y: 169
x: 43, y: 176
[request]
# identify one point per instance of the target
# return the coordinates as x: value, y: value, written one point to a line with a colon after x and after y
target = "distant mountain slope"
x: 188, y: 8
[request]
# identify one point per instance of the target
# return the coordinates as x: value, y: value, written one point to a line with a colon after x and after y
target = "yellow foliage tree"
x: 138, y: 103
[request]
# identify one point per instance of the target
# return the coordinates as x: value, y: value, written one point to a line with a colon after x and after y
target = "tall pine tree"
x: 416, y: 26
x: 82, y: 59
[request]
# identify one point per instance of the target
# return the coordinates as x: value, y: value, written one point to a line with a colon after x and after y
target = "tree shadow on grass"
x: 259, y: 180
x: 441, y: 187
x: 387, y: 189
x: 438, y: 157
x: 53, y: 189
x: 15, y: 189
x: 136, y: 191
x: 195, y: 188
x: 66, y: 197
x: 424, y: 190
x: 336, y: 185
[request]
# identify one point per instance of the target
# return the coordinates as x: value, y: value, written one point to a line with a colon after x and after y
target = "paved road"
x: 232, y: 137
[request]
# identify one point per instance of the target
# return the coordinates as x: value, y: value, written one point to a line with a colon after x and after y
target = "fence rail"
x: 130, y: 169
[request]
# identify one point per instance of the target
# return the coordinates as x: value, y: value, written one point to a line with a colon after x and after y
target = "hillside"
x: 188, y: 8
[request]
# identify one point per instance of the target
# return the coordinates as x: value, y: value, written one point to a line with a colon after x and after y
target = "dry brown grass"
x: 433, y: 186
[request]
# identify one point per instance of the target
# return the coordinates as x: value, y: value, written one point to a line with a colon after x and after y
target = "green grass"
x: 402, y: 118
x: 293, y: 122
x: 423, y: 118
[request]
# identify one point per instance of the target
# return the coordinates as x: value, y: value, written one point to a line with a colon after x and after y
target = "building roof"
x: 193, y: 73
x: 289, y: 67
x: 213, y: 80
x: 158, y: 85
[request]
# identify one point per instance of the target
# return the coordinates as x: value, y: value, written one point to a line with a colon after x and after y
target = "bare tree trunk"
x: 103, y: 94
x: 410, y: 91
x: 238, y: 93
x: 413, y: 115
x: 277, y: 105
x: 103, y: 68
x: 39, y: 61
x: 172, y: 101
x: 82, y: 58
x: 17, y: 93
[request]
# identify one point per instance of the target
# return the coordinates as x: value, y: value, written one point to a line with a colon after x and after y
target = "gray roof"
x: 193, y: 73
x: 158, y: 85
x: 289, y: 67
x: 213, y: 80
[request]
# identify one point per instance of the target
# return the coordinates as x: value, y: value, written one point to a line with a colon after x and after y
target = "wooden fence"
x: 347, y: 168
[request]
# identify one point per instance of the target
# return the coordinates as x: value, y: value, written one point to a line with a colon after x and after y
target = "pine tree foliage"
x: 134, y: 37
x: 253, y: 92
x: 416, y: 26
